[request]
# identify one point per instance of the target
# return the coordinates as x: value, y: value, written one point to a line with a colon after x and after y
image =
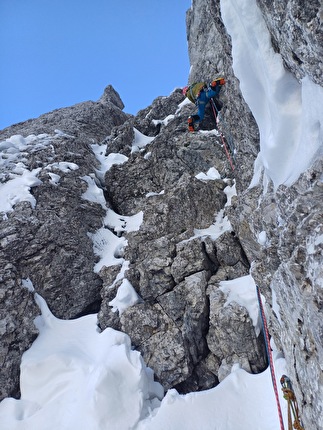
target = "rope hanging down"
x: 215, y: 114
x: 270, y: 357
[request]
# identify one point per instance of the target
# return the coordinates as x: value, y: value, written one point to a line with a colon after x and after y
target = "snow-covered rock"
x: 94, y: 200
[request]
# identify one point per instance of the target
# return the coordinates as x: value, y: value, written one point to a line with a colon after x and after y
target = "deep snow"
x: 73, y: 376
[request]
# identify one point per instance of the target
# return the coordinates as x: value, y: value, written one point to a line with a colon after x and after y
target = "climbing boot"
x: 190, y: 124
x: 216, y: 82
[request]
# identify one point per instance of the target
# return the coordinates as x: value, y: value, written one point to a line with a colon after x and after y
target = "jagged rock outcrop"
x: 290, y: 217
x: 88, y: 120
x: 45, y: 243
x: 288, y: 267
x: 209, y: 48
x: 170, y: 266
x: 46, y: 240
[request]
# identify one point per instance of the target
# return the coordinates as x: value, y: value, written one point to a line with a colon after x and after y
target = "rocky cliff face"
x: 291, y: 216
x: 46, y: 241
x: 179, y: 323
x: 175, y: 265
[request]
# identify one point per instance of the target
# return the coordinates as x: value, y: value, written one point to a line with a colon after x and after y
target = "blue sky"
x: 58, y: 53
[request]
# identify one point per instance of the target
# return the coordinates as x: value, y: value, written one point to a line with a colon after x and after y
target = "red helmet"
x: 184, y: 90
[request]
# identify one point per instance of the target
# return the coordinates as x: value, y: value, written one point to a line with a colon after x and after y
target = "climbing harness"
x: 223, y: 139
x: 289, y: 395
x: 270, y: 357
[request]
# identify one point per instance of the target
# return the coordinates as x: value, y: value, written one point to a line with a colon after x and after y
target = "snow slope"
x: 73, y: 376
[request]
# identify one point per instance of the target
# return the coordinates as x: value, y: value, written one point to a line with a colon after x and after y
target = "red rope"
x: 222, y: 137
x: 270, y: 357
x: 226, y: 150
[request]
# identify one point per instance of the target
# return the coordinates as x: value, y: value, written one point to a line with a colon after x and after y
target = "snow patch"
x: 243, y: 291
x: 210, y: 175
x: 109, y: 247
x: 164, y: 121
x: 220, y: 226
x: 54, y: 178
x: 63, y: 166
x: 213, y: 132
x: 26, y: 283
x: 108, y: 242
x: 93, y: 192
x: 126, y: 297
x: 140, y: 141
x: 230, y: 191
x: 119, y: 223
x: 151, y: 194
x: 262, y: 238
x: 18, y: 190
x: 106, y: 161
x: 74, y: 376
x: 185, y: 102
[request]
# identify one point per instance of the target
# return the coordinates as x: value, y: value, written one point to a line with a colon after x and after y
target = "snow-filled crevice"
x: 110, y: 241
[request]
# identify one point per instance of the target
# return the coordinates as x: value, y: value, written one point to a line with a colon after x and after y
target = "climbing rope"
x: 215, y: 114
x: 289, y: 395
x: 270, y: 357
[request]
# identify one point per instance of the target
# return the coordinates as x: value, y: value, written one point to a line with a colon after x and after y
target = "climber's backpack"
x: 193, y: 91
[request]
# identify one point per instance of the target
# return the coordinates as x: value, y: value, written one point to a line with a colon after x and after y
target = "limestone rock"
x: 184, y: 328
x: 150, y: 266
x: 173, y: 328
x: 47, y: 242
x: 110, y: 96
x: 169, y: 267
x: 187, y: 306
x: 90, y: 120
x: 193, y: 256
x: 17, y: 331
x: 231, y: 337
x: 150, y: 120
x: 274, y: 228
x: 159, y: 340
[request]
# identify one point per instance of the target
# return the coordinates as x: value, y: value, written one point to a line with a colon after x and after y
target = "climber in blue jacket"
x: 200, y: 93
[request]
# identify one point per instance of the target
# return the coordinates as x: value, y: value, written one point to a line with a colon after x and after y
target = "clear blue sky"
x: 55, y: 53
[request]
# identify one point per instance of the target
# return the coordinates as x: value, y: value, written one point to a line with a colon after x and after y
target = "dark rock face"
x: 46, y: 240
x: 48, y: 243
x: 286, y: 270
x: 17, y: 330
x: 169, y: 267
